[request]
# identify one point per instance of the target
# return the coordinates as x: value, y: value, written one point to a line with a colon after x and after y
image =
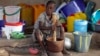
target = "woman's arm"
x: 62, y: 32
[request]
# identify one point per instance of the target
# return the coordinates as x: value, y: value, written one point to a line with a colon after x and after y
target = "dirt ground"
x: 92, y: 52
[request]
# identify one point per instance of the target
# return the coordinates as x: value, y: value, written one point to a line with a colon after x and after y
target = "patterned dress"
x: 45, y: 19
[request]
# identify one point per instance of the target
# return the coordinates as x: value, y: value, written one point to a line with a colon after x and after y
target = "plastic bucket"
x: 82, y: 41
x: 96, y: 16
x: 12, y: 14
x: 70, y: 8
x: 14, y: 27
x: 1, y: 13
x: 94, y: 27
x: 80, y: 25
x: 81, y: 4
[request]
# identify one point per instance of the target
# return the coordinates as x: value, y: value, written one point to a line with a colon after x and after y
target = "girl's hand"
x: 53, y: 27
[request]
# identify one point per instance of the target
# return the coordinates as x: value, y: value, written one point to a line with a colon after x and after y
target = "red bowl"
x: 33, y: 51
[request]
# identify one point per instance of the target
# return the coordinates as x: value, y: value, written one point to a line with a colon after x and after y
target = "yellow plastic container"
x: 71, y: 19
x: 80, y: 15
x: 26, y: 13
x: 37, y: 10
x: 70, y: 22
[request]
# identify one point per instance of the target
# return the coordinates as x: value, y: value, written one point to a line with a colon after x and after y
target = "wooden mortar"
x: 54, y: 46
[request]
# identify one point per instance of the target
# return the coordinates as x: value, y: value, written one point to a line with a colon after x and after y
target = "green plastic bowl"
x: 17, y: 35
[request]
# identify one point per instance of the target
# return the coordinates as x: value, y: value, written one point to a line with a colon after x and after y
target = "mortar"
x: 54, y: 46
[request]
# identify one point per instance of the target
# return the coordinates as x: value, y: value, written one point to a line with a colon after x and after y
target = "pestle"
x: 54, y: 36
x: 54, y: 20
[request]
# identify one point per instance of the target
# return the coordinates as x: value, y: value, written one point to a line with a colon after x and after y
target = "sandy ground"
x: 92, y: 52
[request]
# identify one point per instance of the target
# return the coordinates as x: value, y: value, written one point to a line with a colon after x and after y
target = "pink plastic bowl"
x: 33, y: 51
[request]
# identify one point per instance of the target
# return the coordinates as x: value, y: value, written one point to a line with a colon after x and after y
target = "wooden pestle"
x: 54, y: 19
x: 54, y: 36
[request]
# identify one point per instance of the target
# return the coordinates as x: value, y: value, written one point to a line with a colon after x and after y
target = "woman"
x: 43, y: 26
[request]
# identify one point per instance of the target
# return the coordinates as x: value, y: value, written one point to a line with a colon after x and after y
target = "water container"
x: 82, y: 41
x: 71, y: 19
x: 1, y: 25
x: 96, y: 16
x: 80, y: 25
x: 61, y: 6
x: 89, y: 9
x: 26, y: 13
x: 81, y: 4
x: 37, y: 10
x: 70, y: 23
x: 94, y: 27
x: 12, y: 14
x: 70, y: 8
x: 2, y: 22
x: 14, y: 27
x: 1, y: 13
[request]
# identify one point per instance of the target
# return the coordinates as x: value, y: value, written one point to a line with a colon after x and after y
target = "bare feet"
x: 65, y: 52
